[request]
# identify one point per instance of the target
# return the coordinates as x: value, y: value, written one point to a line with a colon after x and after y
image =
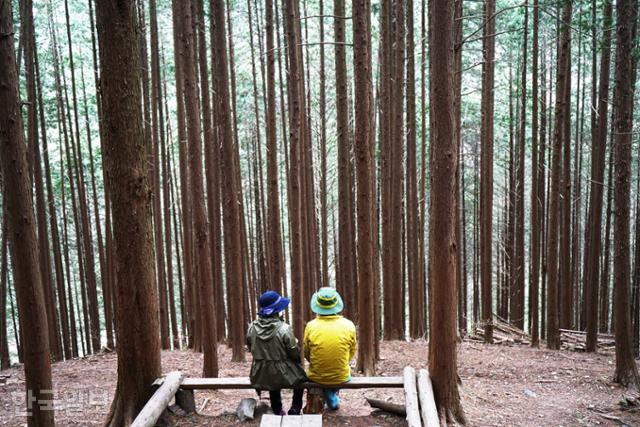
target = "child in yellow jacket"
x: 329, y: 344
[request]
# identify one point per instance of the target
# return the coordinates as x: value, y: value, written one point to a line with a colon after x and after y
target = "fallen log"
x: 411, y: 398
x: 428, y: 408
x: 392, y: 408
x: 159, y: 401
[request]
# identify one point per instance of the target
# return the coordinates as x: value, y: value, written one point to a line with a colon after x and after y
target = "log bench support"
x: 186, y: 400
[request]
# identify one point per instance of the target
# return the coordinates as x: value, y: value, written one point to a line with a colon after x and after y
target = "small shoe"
x: 294, y: 411
x: 282, y: 413
x: 333, y: 402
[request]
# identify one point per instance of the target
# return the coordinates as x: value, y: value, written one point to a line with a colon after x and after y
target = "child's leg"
x: 296, y: 403
x: 331, y: 398
x: 276, y: 401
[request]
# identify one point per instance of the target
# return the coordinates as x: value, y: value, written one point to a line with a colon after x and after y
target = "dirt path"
x: 502, y: 386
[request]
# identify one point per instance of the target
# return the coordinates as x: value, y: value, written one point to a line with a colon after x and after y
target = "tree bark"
x: 626, y: 371
x: 231, y: 202
x: 593, y: 234
x: 363, y: 142
x: 126, y: 159
x: 486, y: 161
x: 22, y: 226
x: 274, y: 237
x: 442, y: 268
x: 5, y: 361
x: 553, y: 337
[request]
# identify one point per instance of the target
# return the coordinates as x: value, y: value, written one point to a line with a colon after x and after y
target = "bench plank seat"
x: 238, y: 383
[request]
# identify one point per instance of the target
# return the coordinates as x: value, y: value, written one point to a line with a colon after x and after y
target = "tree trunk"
x: 593, y: 233
x: 33, y: 144
x: 126, y: 159
x: 442, y: 268
x: 553, y: 337
x: 231, y: 204
x: 517, y: 292
x: 416, y: 287
x: 91, y: 287
x: 157, y: 128
x: 626, y: 372
x: 21, y: 222
x: 486, y: 160
x: 5, y: 361
x: 534, y: 275
x: 204, y: 275
x: 363, y: 143
x: 274, y: 237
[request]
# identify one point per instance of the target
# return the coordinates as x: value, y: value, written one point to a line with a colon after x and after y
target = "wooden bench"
x: 419, y: 399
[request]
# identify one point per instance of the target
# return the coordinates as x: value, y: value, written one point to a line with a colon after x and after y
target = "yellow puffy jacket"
x: 329, y: 346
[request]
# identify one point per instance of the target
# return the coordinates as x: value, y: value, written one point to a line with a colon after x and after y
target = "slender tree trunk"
x: 91, y: 288
x: 517, y: 292
x: 274, y: 237
x: 204, y: 274
x: 605, y: 300
x: 593, y: 233
x: 363, y: 142
x: 442, y: 357
x: 126, y: 160
x: 534, y: 277
x: 157, y: 129
x: 553, y: 338
x: 626, y: 371
x: 33, y: 143
x: 231, y: 205
x: 416, y: 289
x: 5, y: 361
x: 486, y: 161
x: 21, y: 222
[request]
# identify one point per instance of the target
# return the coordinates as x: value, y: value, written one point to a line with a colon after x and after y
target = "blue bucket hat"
x: 326, y: 301
x: 271, y: 302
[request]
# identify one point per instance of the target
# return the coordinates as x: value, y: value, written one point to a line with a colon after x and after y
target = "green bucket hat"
x: 326, y: 301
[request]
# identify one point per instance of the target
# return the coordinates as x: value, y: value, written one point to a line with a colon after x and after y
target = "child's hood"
x: 267, y: 327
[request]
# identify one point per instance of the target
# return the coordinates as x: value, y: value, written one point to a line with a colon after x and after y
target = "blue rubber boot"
x: 332, y: 399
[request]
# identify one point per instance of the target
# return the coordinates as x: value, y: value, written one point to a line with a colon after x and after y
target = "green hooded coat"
x: 276, y: 356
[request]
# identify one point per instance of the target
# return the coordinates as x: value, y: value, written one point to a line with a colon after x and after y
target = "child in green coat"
x: 276, y: 356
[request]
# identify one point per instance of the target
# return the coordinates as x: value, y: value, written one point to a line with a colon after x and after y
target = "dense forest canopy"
x: 284, y: 139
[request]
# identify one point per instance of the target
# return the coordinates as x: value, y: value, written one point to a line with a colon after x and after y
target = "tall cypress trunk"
x: 33, y: 142
x: 190, y: 291
x: 553, y: 338
x: 126, y: 160
x: 22, y: 225
x: 363, y: 143
x: 626, y: 371
x: 204, y: 273
x: 231, y: 205
x: 76, y: 146
x: 442, y: 218
x: 605, y: 300
x: 274, y: 236
x: 516, y: 301
x: 486, y: 161
x: 5, y: 361
x: 593, y: 233
x: 416, y: 287
x: 534, y: 275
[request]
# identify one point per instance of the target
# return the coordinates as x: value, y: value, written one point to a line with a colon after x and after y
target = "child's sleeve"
x: 248, y: 338
x: 352, y: 349
x: 307, y: 344
x: 291, y: 345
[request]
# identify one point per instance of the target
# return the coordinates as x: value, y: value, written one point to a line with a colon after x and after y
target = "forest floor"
x: 501, y: 386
